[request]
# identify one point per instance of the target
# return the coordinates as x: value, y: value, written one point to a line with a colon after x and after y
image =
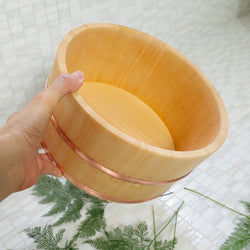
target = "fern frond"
x: 58, y: 207
x: 67, y: 199
x: 142, y: 231
x: 129, y: 239
x: 94, y: 222
x: 118, y: 240
x: 72, y: 213
x: 44, y: 238
x: 247, y: 205
x: 240, y: 238
x: 44, y: 184
x: 165, y: 245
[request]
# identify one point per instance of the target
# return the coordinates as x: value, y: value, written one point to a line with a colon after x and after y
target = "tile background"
x: 214, y: 34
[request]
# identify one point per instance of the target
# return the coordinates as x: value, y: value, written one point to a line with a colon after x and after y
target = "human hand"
x: 20, y: 139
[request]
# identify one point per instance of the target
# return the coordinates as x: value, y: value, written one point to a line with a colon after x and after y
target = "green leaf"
x: 240, y: 238
x: 67, y: 199
x: 44, y: 184
x: 128, y: 239
x: 45, y: 239
x: 247, y: 205
x: 69, y: 246
x: 59, y: 207
x: 163, y: 245
x: 72, y: 213
x: 129, y: 231
x: 142, y: 231
x: 94, y: 222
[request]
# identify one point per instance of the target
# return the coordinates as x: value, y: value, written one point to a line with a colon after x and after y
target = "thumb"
x: 36, y: 115
x: 63, y: 85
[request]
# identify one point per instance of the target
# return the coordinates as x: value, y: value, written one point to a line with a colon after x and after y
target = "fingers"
x: 46, y: 167
x: 65, y: 84
x: 34, y: 118
x: 47, y: 100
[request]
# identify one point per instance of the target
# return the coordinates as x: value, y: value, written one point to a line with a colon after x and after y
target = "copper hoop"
x: 98, y: 165
x: 87, y: 189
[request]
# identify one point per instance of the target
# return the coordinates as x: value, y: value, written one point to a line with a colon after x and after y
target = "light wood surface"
x: 127, y: 113
x: 175, y: 90
x: 94, y: 179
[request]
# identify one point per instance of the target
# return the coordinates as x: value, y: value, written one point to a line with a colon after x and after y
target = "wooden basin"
x: 144, y: 118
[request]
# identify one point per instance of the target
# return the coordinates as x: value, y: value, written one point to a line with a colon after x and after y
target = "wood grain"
x: 94, y: 179
x: 127, y: 113
x: 174, y: 89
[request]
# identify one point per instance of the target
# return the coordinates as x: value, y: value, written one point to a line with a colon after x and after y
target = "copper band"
x: 87, y: 189
x: 99, y: 166
x: 50, y: 156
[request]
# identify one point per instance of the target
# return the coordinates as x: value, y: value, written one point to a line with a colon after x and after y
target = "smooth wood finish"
x: 127, y: 113
x: 95, y: 179
x: 176, y: 91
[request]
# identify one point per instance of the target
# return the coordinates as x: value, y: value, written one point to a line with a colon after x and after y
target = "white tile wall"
x: 215, y: 35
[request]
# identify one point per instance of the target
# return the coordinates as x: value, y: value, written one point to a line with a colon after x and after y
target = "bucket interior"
x: 156, y: 74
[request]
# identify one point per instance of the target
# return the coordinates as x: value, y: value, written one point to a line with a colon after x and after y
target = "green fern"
x: 165, y: 245
x: 72, y: 213
x: 247, y: 205
x: 135, y: 239
x: 128, y: 239
x: 45, y: 239
x: 67, y: 199
x: 240, y: 238
x: 94, y: 222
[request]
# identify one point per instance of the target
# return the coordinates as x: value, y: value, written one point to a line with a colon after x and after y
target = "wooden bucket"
x: 160, y: 119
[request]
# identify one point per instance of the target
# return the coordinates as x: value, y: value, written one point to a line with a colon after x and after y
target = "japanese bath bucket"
x: 160, y: 119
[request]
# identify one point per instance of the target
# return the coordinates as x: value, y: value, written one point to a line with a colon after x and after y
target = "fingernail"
x: 79, y: 75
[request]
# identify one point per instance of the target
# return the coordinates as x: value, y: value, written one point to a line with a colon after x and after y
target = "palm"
x: 20, y: 163
x: 31, y: 170
x: 35, y: 164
